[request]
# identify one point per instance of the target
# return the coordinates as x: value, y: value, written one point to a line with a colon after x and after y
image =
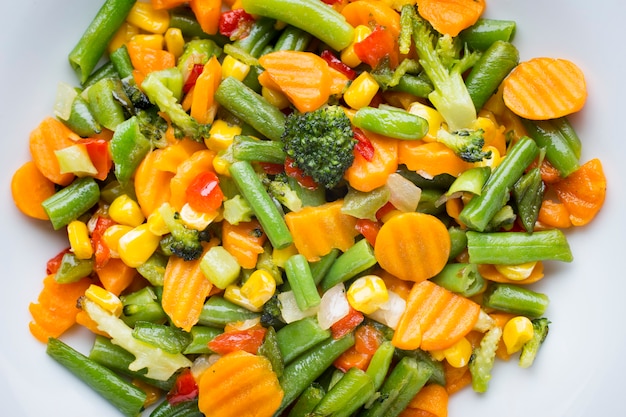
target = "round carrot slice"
x: 545, y: 88
x: 30, y: 188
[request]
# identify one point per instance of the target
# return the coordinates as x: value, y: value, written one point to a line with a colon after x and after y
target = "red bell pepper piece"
x: 54, y: 263
x: 335, y: 63
x: 204, y: 193
x: 293, y: 171
x: 196, y: 70
x: 247, y: 340
x: 98, y: 150
x: 101, y: 251
x: 271, y: 169
x: 346, y: 324
x: 235, y: 23
x: 378, y: 45
x: 369, y: 229
x: 185, y: 388
x: 363, y: 145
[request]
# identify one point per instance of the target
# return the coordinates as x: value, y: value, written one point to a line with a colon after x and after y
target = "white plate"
x: 580, y: 369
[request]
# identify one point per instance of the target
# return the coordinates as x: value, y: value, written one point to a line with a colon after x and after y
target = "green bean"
x: 142, y: 305
x: 419, y: 85
x: 436, y: 367
x: 106, y: 70
x: 251, y: 108
x: 154, y: 269
x: 461, y: 278
x: 358, y: 258
x: 121, y: 62
x: 93, y: 43
x: 482, y: 34
x: 307, y: 401
x: 353, y: 389
x: 471, y: 181
x: 271, y: 350
x: 200, y: 337
x: 380, y: 363
x: 320, y: 268
x: 512, y: 248
x: 321, y: 21
x: 492, y: 67
x: 127, y: 398
x: 170, y: 339
x: 528, y: 195
x: 292, y: 39
x: 73, y: 269
x: 563, y: 125
x: 188, y: 408
x: 561, y: 151
x: 104, y: 104
x: 479, y: 210
x: 458, y: 242
x: 184, y: 19
x: 515, y: 299
x: 247, y: 148
x: 301, y: 282
x: 82, y: 120
x: 391, y: 122
x: 71, y: 202
x: 128, y: 148
x: 218, y: 312
x: 299, y: 336
x: 262, y: 33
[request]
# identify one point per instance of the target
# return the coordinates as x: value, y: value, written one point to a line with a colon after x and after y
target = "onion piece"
x: 289, y: 308
x: 404, y: 195
x: 390, y: 312
x: 333, y: 307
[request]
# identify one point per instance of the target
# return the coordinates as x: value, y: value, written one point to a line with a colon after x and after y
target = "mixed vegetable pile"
x: 303, y: 207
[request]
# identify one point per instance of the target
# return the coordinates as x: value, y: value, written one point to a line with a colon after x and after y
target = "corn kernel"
x: 367, y: 294
x: 152, y: 41
x: 517, y: 331
x: 174, y: 41
x: 145, y: 17
x: 105, y: 299
x: 361, y: 91
x: 280, y: 256
x: 221, y: 135
x: 221, y: 165
x: 232, y: 67
x: 233, y: 294
x: 259, y: 288
x: 112, y: 236
x: 125, y: 33
x: 458, y: 355
x: 276, y: 98
x: 78, y: 236
x: 195, y: 219
x: 432, y: 116
x: 125, y: 210
x: 348, y: 56
x: 516, y: 272
x: 136, y: 246
x: 156, y: 224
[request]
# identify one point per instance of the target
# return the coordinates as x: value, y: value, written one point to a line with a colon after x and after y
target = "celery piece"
x: 220, y: 267
x: 72, y: 201
x: 75, y: 159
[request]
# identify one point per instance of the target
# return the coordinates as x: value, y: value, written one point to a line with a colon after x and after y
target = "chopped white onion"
x: 201, y: 364
x: 389, y: 313
x: 404, y: 195
x: 333, y: 307
x: 64, y: 100
x: 289, y: 308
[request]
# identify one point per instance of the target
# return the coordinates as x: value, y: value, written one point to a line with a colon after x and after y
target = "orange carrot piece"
x: 87, y: 322
x: 244, y: 241
x: 170, y: 157
x: 203, y: 100
x: 442, y: 316
x: 501, y: 319
x: 316, y: 230
x: 239, y: 384
x: 29, y: 188
x: 583, y: 192
x: 207, y: 13
x: 302, y: 76
x: 49, y: 136
x: 146, y: 60
x: 430, y: 158
x: 185, y: 289
x: 55, y: 310
x: 152, y: 184
x: 364, y: 175
x: 432, y: 398
x: 372, y: 13
x: 412, y: 246
x: 116, y: 276
x: 554, y: 214
x: 489, y: 272
x: 198, y: 162
x: 166, y: 4
x: 456, y: 378
x: 545, y: 88
x: 451, y: 16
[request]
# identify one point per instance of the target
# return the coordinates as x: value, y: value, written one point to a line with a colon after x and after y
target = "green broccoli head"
x: 467, y: 144
x: 181, y: 241
x: 320, y: 143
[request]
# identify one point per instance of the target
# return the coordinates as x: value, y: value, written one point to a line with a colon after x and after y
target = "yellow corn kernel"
x: 367, y: 294
x: 458, y: 355
x: 78, y: 235
x: 280, y: 256
x: 174, y: 41
x: 221, y: 165
x: 125, y: 210
x: 432, y: 116
x: 276, y: 98
x: 361, y: 91
x: 492, y: 162
x: 152, y: 41
x: 125, y: 33
x: 348, y: 56
x: 136, y: 246
x: 105, y: 299
x: 259, y: 288
x: 156, y: 224
x: 233, y: 294
x: 221, y: 135
x: 517, y: 331
x: 196, y: 219
x: 516, y: 272
x: 145, y: 17
x: 112, y: 236
x: 232, y: 67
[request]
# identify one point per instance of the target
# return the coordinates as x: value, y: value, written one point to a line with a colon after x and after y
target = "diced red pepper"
x: 247, y: 340
x: 204, y: 193
x: 235, y: 23
x: 346, y: 324
x: 384, y: 210
x: 53, y: 264
x: 336, y: 64
x: 332, y: 2
x: 196, y: 70
x: 363, y: 145
x: 367, y: 339
x: 185, y: 388
x: 378, y: 45
x: 293, y: 171
x: 101, y: 251
x: 369, y: 229
x: 98, y: 150
x: 352, y: 358
x: 271, y: 169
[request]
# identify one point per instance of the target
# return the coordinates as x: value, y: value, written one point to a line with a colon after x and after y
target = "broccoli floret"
x: 271, y: 315
x: 467, y: 144
x: 444, y: 64
x: 531, y: 348
x: 182, y: 241
x: 320, y: 143
x: 279, y: 189
x: 152, y: 126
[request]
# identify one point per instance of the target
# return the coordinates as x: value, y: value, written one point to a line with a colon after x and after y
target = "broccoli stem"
x: 531, y: 348
x: 72, y: 201
x: 560, y: 142
x: 358, y: 258
x: 511, y: 298
x: 301, y: 282
x: 264, y: 209
x: 480, y: 209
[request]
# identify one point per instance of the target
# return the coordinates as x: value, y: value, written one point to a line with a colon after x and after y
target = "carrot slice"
x: 146, y: 60
x: 203, y: 100
x: 302, y: 76
x: 29, y: 188
x: 198, y: 162
x: 545, y: 88
x: 244, y: 241
x: 430, y: 158
x: 456, y: 378
x: 433, y: 399
x: 51, y: 135
x: 489, y: 272
x: 207, y: 13
x: 583, y: 192
x: 451, y: 16
x: 239, y: 384
x: 412, y: 246
x: 366, y: 175
x: 442, y: 316
x: 116, y: 276
x: 554, y: 214
x: 152, y: 184
x: 372, y: 13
